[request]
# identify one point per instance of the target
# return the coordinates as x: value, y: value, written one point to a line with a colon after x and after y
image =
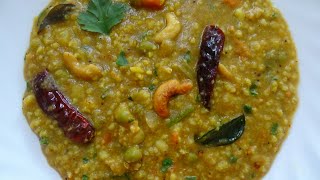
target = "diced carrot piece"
x: 152, y: 4
x: 241, y: 48
x: 175, y: 138
x: 232, y: 3
x: 288, y: 94
x: 107, y: 138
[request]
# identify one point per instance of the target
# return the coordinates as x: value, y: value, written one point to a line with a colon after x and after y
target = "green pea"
x: 133, y: 154
x: 122, y: 114
x: 138, y: 138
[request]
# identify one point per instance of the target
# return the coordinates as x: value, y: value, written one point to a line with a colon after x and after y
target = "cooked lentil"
x: 259, y: 63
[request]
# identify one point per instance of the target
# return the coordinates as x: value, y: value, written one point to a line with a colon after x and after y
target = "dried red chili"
x: 210, y: 49
x: 74, y: 125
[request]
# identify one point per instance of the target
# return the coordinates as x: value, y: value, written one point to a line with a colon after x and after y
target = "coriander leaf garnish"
x: 274, y: 129
x: 85, y: 160
x: 44, y: 140
x: 253, y: 90
x: 101, y: 16
x: 122, y: 60
x: 190, y: 178
x: 247, y: 109
x: 85, y: 177
x: 54, y: 15
x: 152, y: 87
x: 187, y: 56
x: 233, y: 159
x: 166, y: 164
x: 29, y: 86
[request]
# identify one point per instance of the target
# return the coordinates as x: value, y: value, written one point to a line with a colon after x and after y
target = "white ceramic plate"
x: 20, y: 153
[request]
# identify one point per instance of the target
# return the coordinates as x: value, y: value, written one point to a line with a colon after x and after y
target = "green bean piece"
x: 180, y: 116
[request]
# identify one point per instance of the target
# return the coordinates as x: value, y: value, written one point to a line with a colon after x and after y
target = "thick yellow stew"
x: 160, y: 89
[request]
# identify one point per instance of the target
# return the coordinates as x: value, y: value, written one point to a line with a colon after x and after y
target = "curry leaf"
x: 101, y: 16
x: 227, y: 133
x: 55, y: 15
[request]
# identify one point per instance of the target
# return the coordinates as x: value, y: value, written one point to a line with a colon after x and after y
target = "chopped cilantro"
x: 29, y: 86
x: 247, y: 109
x: 85, y: 160
x: 44, y: 140
x: 253, y: 175
x: 152, y: 87
x: 212, y: 7
x: 198, y: 98
x: 253, y: 89
x: 233, y: 159
x: 85, y: 177
x: 101, y: 16
x: 104, y: 95
x: 187, y: 56
x: 274, y: 129
x: 155, y: 72
x: 166, y: 164
x: 122, y: 60
x: 190, y: 178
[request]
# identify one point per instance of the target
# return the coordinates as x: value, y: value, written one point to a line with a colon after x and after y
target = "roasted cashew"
x: 85, y: 72
x: 225, y: 72
x: 171, y: 30
x: 165, y: 91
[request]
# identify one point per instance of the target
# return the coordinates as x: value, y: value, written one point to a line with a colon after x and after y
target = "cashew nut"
x: 86, y: 72
x: 225, y: 72
x: 165, y: 91
x: 172, y: 29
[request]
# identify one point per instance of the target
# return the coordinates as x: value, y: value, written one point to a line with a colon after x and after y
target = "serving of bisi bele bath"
x: 160, y: 89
